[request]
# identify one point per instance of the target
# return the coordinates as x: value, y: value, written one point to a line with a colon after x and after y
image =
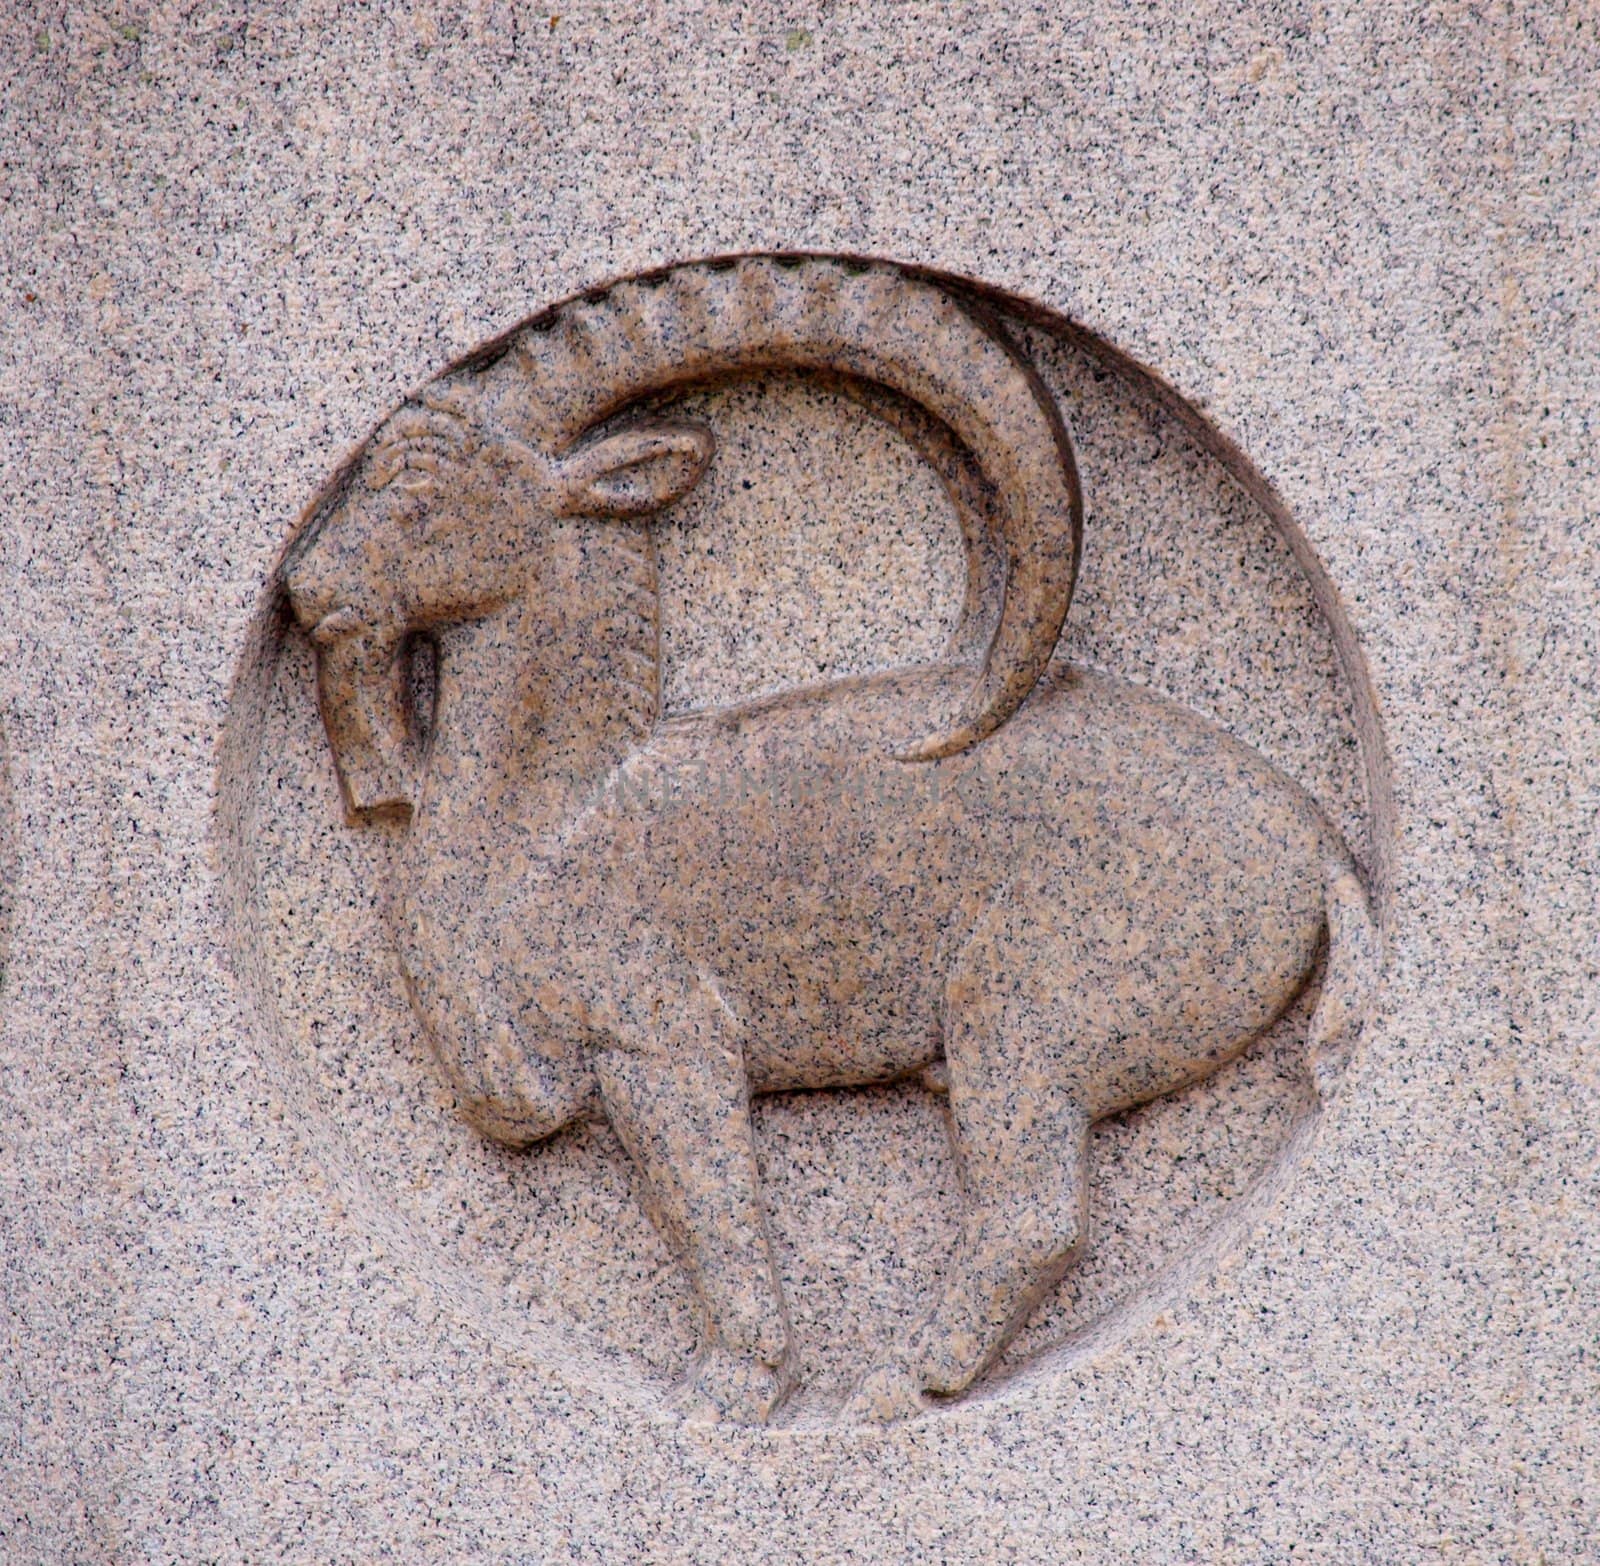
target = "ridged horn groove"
x: 703, y: 322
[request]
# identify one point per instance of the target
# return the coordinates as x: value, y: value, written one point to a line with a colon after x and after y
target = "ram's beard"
x: 363, y: 687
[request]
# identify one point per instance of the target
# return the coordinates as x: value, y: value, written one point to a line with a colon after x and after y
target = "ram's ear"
x: 634, y: 471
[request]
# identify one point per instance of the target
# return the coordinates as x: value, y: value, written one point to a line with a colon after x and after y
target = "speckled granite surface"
x: 265, y: 1300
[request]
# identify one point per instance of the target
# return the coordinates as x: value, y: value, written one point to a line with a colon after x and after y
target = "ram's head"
x: 435, y: 523
x: 437, y: 518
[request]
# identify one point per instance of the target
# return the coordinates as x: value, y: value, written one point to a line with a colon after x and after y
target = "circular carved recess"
x: 823, y: 541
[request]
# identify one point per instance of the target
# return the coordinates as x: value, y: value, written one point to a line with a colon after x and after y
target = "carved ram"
x: 1055, y: 894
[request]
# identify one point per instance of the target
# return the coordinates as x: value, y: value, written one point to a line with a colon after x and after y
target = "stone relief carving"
x: 1045, y: 893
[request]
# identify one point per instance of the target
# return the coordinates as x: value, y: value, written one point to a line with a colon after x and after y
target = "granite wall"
x: 1315, y: 293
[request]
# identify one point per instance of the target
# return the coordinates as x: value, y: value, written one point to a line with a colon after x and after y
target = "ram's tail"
x: 1355, y: 955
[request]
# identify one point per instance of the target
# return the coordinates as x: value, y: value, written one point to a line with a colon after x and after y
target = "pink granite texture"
x: 1315, y: 291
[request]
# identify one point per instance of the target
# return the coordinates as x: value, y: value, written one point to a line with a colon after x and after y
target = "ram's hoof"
x: 891, y: 1392
x: 731, y: 1387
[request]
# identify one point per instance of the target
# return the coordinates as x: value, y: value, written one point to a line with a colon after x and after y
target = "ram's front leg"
x: 680, y: 1102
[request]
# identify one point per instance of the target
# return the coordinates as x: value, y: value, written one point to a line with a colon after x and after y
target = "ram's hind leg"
x: 1022, y: 1142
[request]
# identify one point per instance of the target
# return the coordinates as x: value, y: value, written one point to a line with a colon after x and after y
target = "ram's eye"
x: 410, y: 466
x: 413, y: 453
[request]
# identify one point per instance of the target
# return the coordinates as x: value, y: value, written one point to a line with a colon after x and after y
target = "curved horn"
x: 578, y: 364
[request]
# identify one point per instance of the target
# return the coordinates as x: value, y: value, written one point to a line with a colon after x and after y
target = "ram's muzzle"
x: 363, y: 682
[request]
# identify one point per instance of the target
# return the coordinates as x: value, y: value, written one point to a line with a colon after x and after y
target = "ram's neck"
x: 538, y: 702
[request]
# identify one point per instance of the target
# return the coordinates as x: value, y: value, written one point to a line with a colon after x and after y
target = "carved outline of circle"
x: 239, y: 754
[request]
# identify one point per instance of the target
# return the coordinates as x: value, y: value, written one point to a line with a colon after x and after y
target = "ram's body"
x: 1147, y: 862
